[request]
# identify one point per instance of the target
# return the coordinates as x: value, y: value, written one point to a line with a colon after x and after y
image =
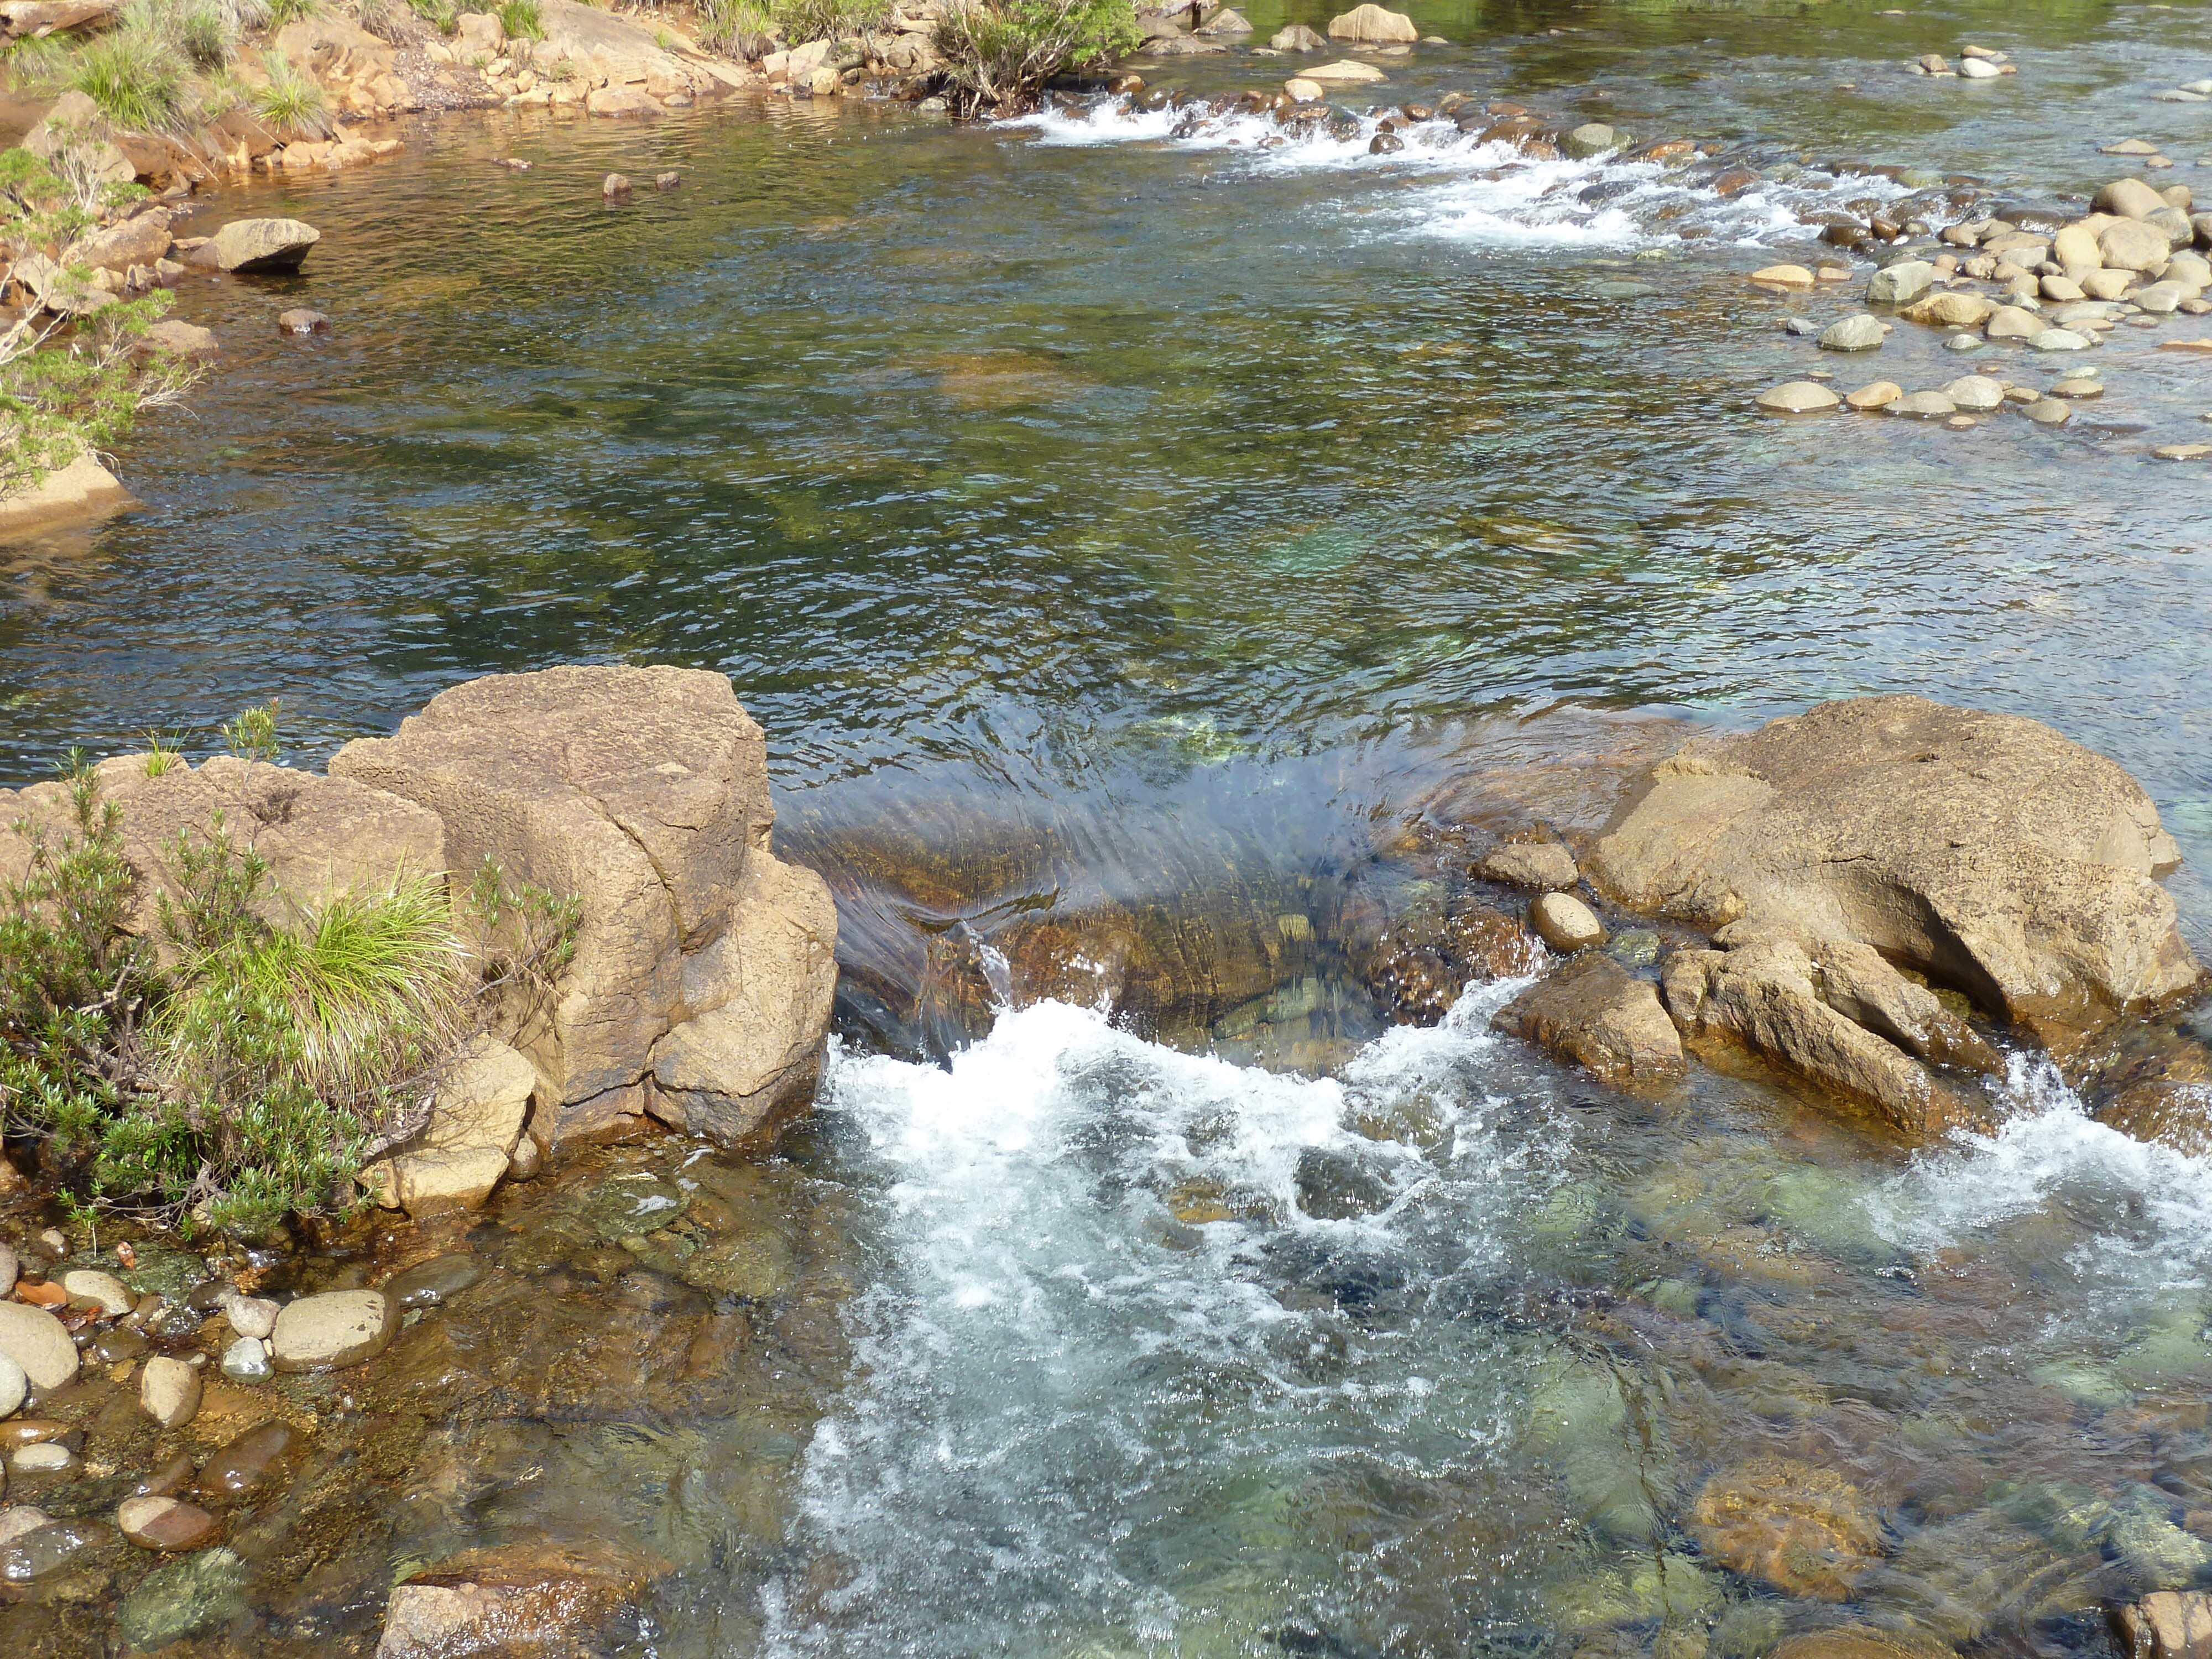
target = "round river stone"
x: 166, y: 1524
x: 1797, y: 397
x: 427, y: 1283
x: 338, y: 1328
x: 1564, y: 922
x: 36, y: 1340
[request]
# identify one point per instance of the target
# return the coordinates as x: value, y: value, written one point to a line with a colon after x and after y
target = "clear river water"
x: 1105, y: 513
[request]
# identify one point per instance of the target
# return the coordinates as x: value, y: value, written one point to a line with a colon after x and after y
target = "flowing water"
x: 1125, y: 528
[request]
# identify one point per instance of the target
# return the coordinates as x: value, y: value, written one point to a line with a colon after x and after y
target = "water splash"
x: 1475, y: 192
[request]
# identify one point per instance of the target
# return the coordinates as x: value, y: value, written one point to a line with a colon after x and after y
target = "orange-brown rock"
x: 1596, y: 1014
x: 1803, y: 1530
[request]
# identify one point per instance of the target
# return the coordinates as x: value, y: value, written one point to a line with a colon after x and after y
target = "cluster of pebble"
x: 57, y: 1320
x: 1975, y: 64
x: 2061, y: 286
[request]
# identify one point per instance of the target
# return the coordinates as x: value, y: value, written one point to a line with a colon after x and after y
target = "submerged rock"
x: 1804, y: 1530
x: 1543, y: 866
x: 338, y: 1328
x: 1565, y: 923
x: 539, y: 1596
x: 195, y: 1595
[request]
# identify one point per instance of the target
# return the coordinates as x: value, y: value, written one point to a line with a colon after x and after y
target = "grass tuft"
x: 135, y: 78
x: 519, y: 19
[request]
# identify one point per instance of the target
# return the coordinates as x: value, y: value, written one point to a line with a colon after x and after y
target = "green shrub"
x: 282, y: 12
x: 443, y: 16
x: 518, y: 20
x: 60, y: 399
x: 801, y: 21
x: 36, y: 63
x: 737, y: 28
x: 135, y: 78
x: 1001, y: 52
x: 291, y: 101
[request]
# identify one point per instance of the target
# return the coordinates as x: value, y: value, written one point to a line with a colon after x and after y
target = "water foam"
x: 1474, y: 192
x: 2153, y: 1204
x: 1059, y: 1377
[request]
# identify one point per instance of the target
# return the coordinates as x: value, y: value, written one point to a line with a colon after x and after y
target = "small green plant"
x: 291, y: 102
x: 162, y: 753
x: 663, y: 39
x: 379, y: 18
x: 282, y: 12
x: 443, y: 16
x: 518, y: 20
x: 249, y: 1072
x: 135, y: 78
x: 561, y: 69
x: 252, y: 735
x: 1000, y: 52
x: 205, y: 35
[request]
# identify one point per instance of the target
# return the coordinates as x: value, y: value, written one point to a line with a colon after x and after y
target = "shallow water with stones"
x: 1140, y: 528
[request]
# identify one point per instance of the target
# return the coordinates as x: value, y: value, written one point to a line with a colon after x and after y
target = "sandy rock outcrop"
x: 319, y: 834
x: 1986, y: 851
x: 643, y: 792
x: 82, y: 490
x: 353, y: 66
x: 249, y: 246
x: 1861, y: 858
x: 1597, y: 1015
x: 1373, y: 25
x: 137, y: 241
x: 461, y: 1151
x: 612, y: 54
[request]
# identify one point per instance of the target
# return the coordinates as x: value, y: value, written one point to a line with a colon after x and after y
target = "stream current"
x: 1103, y: 512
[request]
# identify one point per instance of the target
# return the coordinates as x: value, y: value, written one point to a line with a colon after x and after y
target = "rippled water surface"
x: 1106, y: 515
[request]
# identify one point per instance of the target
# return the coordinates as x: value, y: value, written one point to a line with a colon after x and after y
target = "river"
x: 1103, y: 509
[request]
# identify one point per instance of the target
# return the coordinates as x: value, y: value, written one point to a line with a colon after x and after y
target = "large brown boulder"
x: 1372, y: 24
x: 319, y: 835
x: 1597, y: 1014
x: 643, y: 794
x: 1984, y: 852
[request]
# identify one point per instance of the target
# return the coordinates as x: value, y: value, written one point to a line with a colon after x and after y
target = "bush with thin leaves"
x: 801, y: 21
x: 137, y: 78
x: 519, y: 19
x: 249, y: 1070
x: 999, y: 53
x: 60, y: 398
x: 443, y: 16
x: 206, y: 35
x: 291, y: 102
x: 282, y: 12
x: 737, y: 28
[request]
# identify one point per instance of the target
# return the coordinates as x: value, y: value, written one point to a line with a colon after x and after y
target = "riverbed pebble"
x: 427, y: 1283
x: 169, y: 1391
x: 1975, y: 394
x: 1797, y: 397
x: 2078, y: 386
x: 1860, y: 333
x: 2048, y: 411
x: 1544, y: 865
x: 2015, y: 323
x: 88, y: 1287
x: 338, y: 1328
x: 1878, y: 394
x: 255, y: 1458
x: 2183, y: 451
x: 8, y: 1268
x: 49, y: 1457
x: 37, y: 1342
x: 1784, y: 276
x: 2059, y: 339
x: 1965, y: 343
x: 168, y: 1524
x: 1924, y: 406
x: 1564, y: 922
x: 250, y: 1315
x: 1901, y: 284
x: 15, y: 1387
x: 246, y: 1360
x: 301, y: 321
x: 614, y: 187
